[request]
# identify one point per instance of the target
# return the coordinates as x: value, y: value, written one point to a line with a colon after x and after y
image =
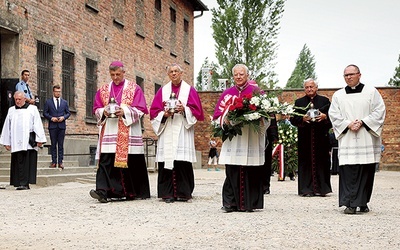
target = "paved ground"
x: 65, y: 217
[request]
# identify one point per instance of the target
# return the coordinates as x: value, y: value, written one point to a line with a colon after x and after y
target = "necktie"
x: 58, y: 103
x: 29, y: 91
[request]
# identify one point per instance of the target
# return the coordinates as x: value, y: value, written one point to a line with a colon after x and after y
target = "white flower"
x: 275, y: 101
x: 252, y: 116
x: 265, y: 104
x: 255, y: 100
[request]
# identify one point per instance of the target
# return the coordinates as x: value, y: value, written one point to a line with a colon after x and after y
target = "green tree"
x: 305, y: 68
x: 245, y: 32
x: 214, y: 77
x: 395, y: 80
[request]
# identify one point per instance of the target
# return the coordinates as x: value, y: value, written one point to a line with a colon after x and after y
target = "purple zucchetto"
x: 117, y: 64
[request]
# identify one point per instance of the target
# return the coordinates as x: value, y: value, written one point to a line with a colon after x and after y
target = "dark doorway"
x: 7, y: 89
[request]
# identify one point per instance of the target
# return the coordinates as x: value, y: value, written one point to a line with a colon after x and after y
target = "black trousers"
x: 131, y: 182
x: 243, y: 187
x: 355, y: 184
x: 23, y: 168
x: 57, y: 145
x: 175, y: 183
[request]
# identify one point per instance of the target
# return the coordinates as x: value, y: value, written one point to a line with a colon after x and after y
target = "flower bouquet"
x: 248, y: 109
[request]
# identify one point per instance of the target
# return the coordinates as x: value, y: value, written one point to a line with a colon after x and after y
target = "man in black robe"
x: 313, y: 142
x: 271, y: 137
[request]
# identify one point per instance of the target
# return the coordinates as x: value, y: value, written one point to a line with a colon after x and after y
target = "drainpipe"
x: 199, y: 15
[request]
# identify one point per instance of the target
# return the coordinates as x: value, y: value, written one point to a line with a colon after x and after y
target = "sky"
x: 337, y: 32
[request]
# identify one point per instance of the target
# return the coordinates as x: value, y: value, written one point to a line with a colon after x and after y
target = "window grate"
x: 68, y: 76
x: 44, y: 72
x: 91, y: 86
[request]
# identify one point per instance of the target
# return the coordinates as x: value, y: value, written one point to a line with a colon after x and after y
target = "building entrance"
x: 9, y: 67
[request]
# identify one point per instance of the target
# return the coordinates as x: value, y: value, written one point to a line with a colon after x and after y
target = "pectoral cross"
x: 356, y: 138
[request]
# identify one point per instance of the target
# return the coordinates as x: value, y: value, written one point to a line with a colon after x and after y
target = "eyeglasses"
x: 351, y: 74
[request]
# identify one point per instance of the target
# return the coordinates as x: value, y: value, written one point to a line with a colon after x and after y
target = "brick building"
x: 390, y: 137
x: 73, y: 42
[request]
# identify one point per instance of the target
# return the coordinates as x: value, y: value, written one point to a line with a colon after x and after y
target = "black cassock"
x: 313, y: 149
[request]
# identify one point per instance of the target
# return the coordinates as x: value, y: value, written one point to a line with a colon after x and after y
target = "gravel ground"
x: 65, y: 217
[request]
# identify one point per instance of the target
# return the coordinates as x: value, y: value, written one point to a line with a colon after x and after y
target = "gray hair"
x: 240, y: 66
x: 174, y: 65
x: 19, y: 92
x: 310, y: 80
x: 115, y: 67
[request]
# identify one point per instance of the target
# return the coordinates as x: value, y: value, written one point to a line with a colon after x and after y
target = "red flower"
x: 248, y: 96
x: 239, y: 105
x: 252, y: 107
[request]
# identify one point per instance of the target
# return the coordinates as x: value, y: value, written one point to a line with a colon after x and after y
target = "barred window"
x: 157, y: 5
x: 185, y: 26
x: 44, y: 72
x: 172, y: 12
x: 91, y: 86
x: 68, y: 78
x: 156, y: 87
x: 140, y: 82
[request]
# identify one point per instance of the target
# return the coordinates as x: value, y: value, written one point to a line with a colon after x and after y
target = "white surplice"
x: 361, y: 147
x: 176, y: 135
x: 17, y: 126
x: 247, y: 149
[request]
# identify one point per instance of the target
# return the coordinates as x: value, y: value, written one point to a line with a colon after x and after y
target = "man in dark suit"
x: 56, y: 110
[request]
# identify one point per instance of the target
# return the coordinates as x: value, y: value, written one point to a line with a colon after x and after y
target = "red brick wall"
x: 70, y: 26
x: 390, y: 136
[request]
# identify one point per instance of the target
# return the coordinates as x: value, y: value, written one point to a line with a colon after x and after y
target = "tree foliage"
x: 214, y: 77
x: 395, y: 80
x: 245, y: 32
x: 305, y: 68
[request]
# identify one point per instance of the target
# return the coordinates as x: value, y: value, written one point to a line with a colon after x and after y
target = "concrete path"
x: 65, y: 217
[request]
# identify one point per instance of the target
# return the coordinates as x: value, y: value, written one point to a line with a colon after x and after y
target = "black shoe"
x: 350, y: 210
x: 364, y: 209
x: 99, y: 196
x: 267, y: 191
x: 169, y: 200
x: 292, y: 178
x: 228, y: 209
x: 308, y: 195
x: 22, y: 188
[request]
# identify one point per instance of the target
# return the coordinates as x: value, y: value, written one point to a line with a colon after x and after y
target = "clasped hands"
x: 355, y: 125
x: 319, y: 118
x: 57, y: 119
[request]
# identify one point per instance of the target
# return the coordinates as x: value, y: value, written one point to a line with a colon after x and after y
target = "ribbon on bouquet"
x: 279, y: 149
x: 225, y: 106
